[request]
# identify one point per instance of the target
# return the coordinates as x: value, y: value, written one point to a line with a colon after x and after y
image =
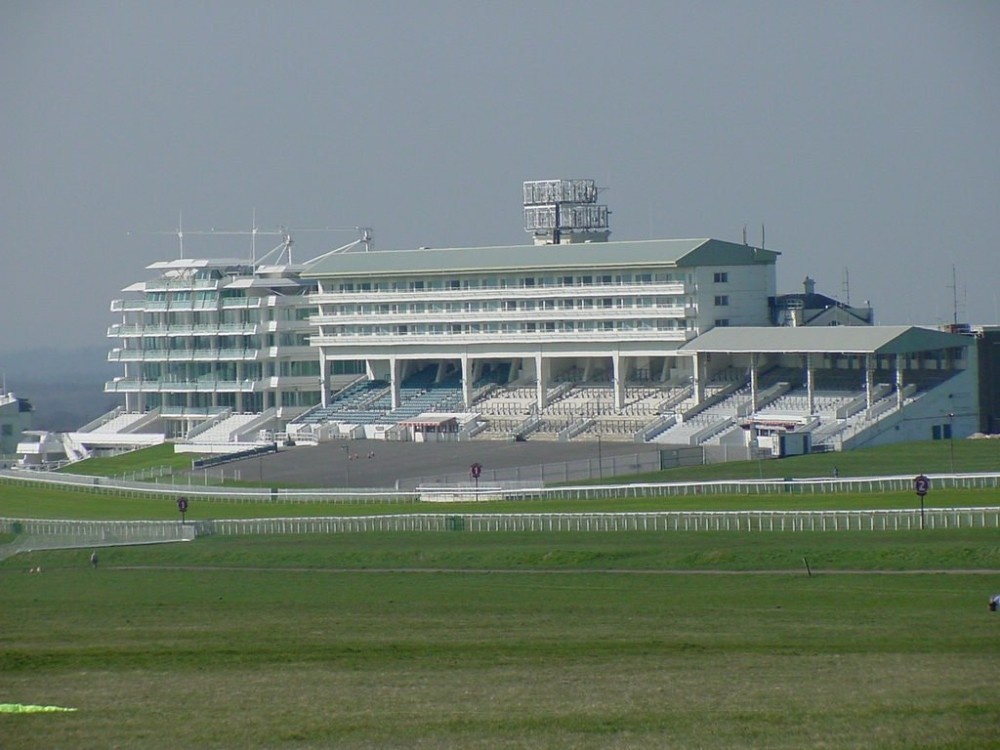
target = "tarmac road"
x: 347, y: 463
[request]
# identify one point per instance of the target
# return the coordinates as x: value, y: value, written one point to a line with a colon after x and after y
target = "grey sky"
x: 863, y: 134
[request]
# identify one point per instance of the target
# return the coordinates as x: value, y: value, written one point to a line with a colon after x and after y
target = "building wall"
x: 988, y: 346
x: 733, y: 295
x: 952, y: 407
x: 15, y: 418
x: 214, y: 335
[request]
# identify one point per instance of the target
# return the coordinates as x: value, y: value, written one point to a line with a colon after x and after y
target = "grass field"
x: 461, y: 640
x: 510, y: 641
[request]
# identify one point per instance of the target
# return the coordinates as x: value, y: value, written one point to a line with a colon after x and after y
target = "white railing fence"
x: 811, y: 486
x: 751, y: 521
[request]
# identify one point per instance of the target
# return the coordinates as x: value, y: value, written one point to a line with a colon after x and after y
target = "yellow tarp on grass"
x: 21, y: 708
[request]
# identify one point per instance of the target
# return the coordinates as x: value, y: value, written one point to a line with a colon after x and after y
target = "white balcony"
x: 180, y: 285
x: 674, y: 288
x: 184, y: 355
x: 123, y: 385
x: 242, y: 303
x: 118, y: 330
x: 582, y: 338
x: 492, y: 316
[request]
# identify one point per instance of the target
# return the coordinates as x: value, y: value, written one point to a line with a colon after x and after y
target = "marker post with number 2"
x: 921, y: 484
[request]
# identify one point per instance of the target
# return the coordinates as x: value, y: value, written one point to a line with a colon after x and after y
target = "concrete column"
x: 665, y: 371
x: 467, y: 379
x: 810, y: 385
x: 618, y: 380
x: 753, y: 383
x: 323, y: 385
x: 394, y: 378
x: 869, y: 381
x: 542, y: 375
x: 899, y: 380
x: 239, y: 387
x: 699, y: 381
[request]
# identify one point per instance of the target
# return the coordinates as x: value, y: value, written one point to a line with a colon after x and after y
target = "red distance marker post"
x: 474, y: 471
x: 921, y: 485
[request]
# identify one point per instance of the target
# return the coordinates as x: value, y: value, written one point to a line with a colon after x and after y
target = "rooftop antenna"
x: 178, y: 233
x: 762, y: 245
x: 954, y: 296
x: 744, y: 234
x: 847, y: 287
x: 253, y: 238
x: 286, y: 245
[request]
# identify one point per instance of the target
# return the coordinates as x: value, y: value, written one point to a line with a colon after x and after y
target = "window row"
x: 228, y: 371
x: 498, y: 306
x: 508, y: 282
x: 198, y: 344
x: 561, y: 326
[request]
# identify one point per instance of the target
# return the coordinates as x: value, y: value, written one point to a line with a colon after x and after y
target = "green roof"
x: 595, y: 255
x: 832, y: 339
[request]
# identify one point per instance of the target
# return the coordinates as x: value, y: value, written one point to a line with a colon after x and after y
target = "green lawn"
x: 18, y: 501
x: 907, y: 459
x: 636, y: 640
x: 154, y: 457
x: 507, y: 641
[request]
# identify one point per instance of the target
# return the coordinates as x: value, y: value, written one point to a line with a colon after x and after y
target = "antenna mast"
x: 954, y: 296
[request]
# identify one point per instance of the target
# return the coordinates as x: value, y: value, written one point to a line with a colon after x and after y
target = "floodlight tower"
x: 559, y: 212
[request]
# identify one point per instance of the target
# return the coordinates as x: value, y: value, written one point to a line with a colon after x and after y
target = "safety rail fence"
x: 31, y: 535
x: 810, y: 486
x: 145, y: 532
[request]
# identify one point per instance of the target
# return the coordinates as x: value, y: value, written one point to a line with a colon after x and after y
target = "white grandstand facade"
x: 209, y: 340
x: 607, y: 313
x: 573, y: 337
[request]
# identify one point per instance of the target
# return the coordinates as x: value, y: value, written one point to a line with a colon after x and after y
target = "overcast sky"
x: 865, y: 136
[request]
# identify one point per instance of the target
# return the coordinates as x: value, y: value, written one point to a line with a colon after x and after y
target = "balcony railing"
x: 130, y: 385
x: 183, y: 355
x: 242, y: 303
x: 118, y: 330
x: 504, y: 337
x: 672, y: 288
x: 491, y: 316
x: 162, y: 285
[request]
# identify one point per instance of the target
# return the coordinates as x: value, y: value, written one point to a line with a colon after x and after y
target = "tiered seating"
x: 226, y: 430
x: 358, y: 404
x: 420, y: 394
x: 370, y: 402
x: 121, y: 423
x: 508, y: 401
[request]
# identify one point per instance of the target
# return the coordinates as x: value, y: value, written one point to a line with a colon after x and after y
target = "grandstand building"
x: 572, y: 337
x: 220, y: 344
x: 576, y: 336
x: 607, y: 312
